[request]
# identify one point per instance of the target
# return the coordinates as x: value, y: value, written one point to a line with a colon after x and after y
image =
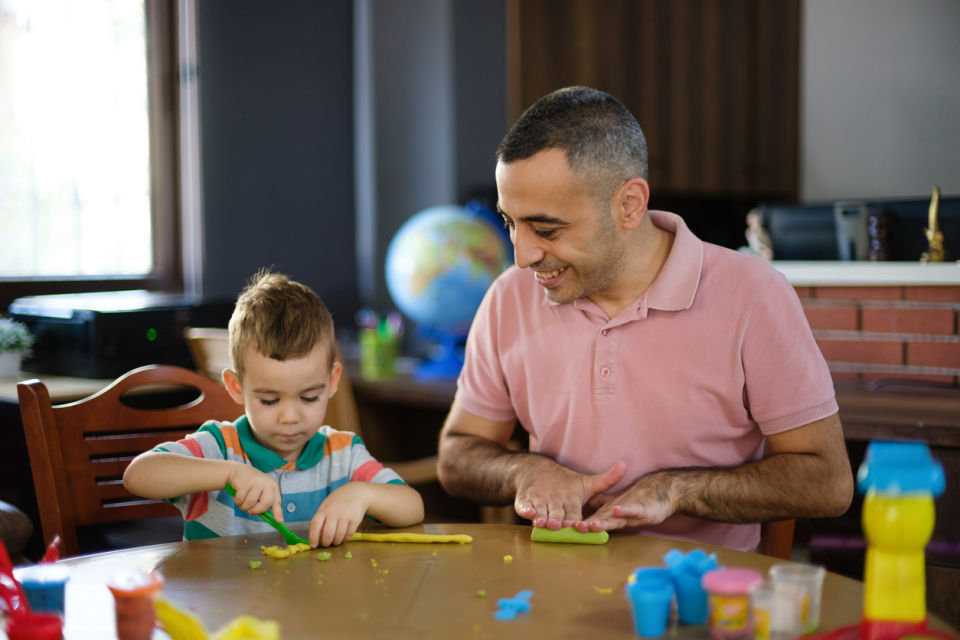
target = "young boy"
x: 277, y: 456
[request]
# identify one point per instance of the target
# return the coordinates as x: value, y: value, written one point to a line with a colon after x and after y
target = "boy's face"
x: 285, y: 401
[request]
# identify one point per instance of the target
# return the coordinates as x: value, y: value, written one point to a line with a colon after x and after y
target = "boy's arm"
x: 163, y: 475
x: 339, y: 515
x: 395, y: 505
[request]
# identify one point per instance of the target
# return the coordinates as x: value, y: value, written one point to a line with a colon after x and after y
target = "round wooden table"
x: 391, y: 590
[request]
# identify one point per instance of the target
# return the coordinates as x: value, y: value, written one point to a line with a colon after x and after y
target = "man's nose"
x: 526, y: 248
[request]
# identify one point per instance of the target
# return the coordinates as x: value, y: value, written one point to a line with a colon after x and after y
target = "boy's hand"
x: 339, y: 515
x: 256, y: 491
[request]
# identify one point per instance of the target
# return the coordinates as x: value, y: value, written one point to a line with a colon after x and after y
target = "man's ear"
x: 232, y: 382
x: 635, y: 195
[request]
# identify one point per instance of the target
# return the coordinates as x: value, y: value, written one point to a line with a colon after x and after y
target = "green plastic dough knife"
x: 266, y: 516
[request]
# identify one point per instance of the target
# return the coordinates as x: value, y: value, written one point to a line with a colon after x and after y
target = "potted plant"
x: 15, y: 343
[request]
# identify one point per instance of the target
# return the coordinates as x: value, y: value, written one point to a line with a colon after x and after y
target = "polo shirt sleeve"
x: 206, y: 443
x: 787, y: 381
x: 350, y: 461
x: 481, y: 387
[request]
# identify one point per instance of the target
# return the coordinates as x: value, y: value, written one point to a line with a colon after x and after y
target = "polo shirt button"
x: 605, y: 332
x: 291, y: 507
x: 605, y: 371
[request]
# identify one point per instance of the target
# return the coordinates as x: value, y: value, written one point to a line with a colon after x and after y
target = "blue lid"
x: 900, y: 467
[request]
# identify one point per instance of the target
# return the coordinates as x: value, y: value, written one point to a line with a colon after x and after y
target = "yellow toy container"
x: 900, y: 480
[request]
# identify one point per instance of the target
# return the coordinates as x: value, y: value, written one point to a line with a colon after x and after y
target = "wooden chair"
x: 211, y: 354
x: 78, y: 451
x: 776, y: 538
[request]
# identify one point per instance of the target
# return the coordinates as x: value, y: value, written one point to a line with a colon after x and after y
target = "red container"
x: 35, y: 626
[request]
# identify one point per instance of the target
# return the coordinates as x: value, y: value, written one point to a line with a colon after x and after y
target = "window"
x: 88, y: 146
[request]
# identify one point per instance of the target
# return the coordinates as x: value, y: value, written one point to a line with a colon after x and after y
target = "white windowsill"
x: 834, y: 273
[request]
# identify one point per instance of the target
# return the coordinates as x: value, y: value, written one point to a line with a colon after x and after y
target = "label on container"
x: 729, y: 612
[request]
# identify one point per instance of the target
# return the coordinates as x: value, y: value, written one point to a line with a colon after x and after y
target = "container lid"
x: 731, y: 581
x: 135, y: 583
x: 900, y: 467
x: 43, y: 573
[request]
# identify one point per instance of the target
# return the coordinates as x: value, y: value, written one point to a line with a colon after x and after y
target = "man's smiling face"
x: 557, y: 231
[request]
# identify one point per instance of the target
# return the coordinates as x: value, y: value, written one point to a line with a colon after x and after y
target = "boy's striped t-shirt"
x: 329, y: 460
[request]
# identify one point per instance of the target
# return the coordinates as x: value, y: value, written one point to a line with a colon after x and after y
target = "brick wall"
x: 880, y: 333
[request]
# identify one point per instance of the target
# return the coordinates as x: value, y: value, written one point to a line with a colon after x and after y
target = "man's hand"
x: 553, y: 496
x: 256, y: 491
x: 339, y: 515
x: 647, y: 501
x: 812, y: 456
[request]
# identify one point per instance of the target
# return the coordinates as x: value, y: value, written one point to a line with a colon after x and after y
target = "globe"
x: 439, y: 265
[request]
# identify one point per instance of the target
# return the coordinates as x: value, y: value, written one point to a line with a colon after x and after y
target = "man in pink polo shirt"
x: 669, y: 386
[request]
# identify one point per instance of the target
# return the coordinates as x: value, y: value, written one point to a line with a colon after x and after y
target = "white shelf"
x: 835, y: 273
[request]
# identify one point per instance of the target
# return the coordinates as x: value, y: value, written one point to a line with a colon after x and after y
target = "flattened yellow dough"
x: 460, y: 538
x: 275, y: 551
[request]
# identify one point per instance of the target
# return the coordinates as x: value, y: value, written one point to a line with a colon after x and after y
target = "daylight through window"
x: 74, y: 139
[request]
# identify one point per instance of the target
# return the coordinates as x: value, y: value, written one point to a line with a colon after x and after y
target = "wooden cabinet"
x: 714, y: 84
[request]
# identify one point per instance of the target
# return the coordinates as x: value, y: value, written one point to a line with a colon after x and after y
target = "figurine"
x: 935, y: 251
x: 758, y: 240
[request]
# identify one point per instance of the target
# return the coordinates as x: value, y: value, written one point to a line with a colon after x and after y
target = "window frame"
x: 163, y: 79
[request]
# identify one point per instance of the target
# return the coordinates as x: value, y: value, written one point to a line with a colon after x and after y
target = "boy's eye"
x: 309, y: 398
x: 269, y: 402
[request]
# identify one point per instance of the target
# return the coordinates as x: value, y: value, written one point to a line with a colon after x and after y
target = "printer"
x: 105, y: 334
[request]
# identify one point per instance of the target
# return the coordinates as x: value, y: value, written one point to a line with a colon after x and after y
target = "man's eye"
x: 544, y: 233
x: 268, y: 403
x: 507, y: 224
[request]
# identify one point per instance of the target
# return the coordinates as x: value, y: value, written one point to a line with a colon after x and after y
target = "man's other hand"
x: 553, y: 496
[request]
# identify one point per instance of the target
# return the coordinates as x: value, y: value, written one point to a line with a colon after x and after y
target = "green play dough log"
x: 568, y: 534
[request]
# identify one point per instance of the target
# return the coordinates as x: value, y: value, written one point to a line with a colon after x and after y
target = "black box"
x: 105, y: 334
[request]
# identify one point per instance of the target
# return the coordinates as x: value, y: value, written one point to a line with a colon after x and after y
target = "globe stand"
x: 446, y: 358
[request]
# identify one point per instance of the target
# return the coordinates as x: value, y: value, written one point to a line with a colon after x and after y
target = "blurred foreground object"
x: 900, y: 480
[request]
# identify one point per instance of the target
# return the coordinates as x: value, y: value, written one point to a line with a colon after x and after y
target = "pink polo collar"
x: 676, y: 284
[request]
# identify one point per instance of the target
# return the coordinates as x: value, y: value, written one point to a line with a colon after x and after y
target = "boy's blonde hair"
x: 281, y: 318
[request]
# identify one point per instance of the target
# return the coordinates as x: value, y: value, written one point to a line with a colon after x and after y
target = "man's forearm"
x: 785, y: 485
x: 481, y: 470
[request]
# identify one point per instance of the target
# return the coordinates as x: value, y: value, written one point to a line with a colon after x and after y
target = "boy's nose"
x: 289, y: 413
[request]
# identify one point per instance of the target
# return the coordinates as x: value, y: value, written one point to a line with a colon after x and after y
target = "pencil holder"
x: 378, y: 354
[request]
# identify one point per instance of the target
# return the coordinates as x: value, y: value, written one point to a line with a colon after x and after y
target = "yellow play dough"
x: 276, y: 551
x: 460, y: 538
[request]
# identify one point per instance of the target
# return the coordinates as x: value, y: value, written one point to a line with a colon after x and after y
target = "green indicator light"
x: 151, y: 334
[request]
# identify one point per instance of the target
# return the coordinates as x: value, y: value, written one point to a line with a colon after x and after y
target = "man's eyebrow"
x: 543, y: 218
x: 536, y: 217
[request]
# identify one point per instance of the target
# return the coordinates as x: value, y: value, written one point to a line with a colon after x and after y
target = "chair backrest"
x: 79, y: 451
x: 211, y: 355
x: 776, y: 538
x: 210, y: 349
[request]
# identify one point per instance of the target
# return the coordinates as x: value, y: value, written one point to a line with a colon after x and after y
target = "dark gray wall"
x: 480, y: 91
x: 277, y: 132
x: 276, y: 116
x: 438, y: 70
